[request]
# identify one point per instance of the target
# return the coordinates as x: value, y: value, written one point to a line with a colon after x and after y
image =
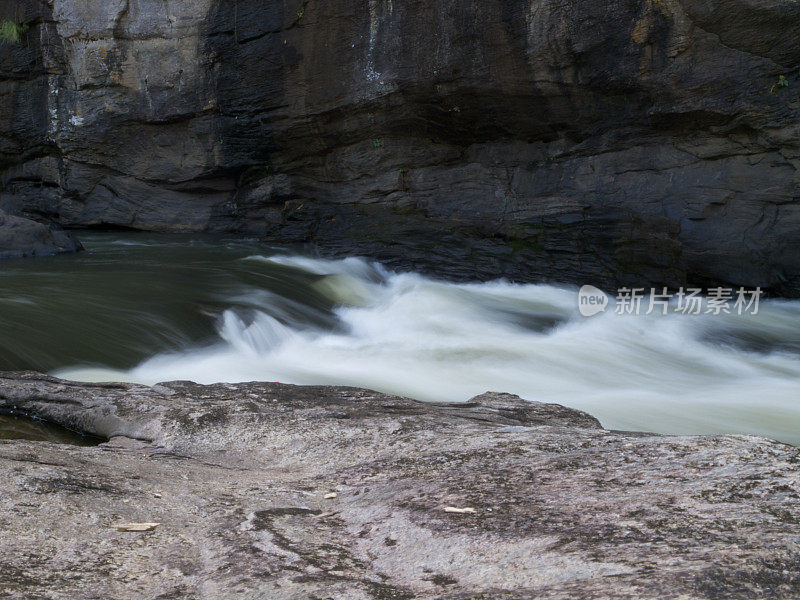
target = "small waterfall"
x: 411, y: 335
x: 146, y: 308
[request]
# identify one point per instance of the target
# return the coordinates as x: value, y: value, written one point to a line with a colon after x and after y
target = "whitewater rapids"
x: 410, y: 335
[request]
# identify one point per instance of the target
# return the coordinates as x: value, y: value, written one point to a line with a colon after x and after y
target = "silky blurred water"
x: 149, y: 308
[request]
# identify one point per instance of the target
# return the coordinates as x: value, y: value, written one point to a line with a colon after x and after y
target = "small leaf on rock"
x: 136, y: 526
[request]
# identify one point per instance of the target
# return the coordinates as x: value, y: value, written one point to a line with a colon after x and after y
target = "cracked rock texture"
x: 631, y: 142
x: 237, y: 476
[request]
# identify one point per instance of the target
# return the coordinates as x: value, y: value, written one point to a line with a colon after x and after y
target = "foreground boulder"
x: 22, y: 237
x: 274, y: 491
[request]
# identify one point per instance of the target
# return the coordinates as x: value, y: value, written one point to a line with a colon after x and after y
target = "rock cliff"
x: 642, y: 142
x: 265, y: 490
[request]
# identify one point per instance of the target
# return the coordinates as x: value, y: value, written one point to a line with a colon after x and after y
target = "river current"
x: 149, y: 308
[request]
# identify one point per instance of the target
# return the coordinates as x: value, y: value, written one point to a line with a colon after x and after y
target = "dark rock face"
x: 639, y: 142
x: 237, y: 476
x: 21, y: 237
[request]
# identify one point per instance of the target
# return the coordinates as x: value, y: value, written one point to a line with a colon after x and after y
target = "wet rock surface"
x: 634, y: 142
x: 242, y: 480
x: 20, y: 237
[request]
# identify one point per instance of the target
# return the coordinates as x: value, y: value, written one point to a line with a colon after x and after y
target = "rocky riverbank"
x: 265, y: 490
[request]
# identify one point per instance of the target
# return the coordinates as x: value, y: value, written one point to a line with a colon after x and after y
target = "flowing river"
x: 150, y: 308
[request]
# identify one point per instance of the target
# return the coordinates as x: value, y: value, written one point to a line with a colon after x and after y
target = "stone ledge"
x: 242, y: 480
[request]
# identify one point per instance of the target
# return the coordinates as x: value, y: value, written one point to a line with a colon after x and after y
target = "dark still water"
x: 14, y: 427
x: 150, y: 308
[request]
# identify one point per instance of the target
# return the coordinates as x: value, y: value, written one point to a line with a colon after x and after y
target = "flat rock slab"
x: 241, y: 480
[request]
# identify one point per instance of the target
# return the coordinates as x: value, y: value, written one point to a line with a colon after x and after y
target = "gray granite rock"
x: 237, y: 476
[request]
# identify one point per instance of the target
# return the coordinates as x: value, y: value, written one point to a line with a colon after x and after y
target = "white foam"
x: 414, y: 336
